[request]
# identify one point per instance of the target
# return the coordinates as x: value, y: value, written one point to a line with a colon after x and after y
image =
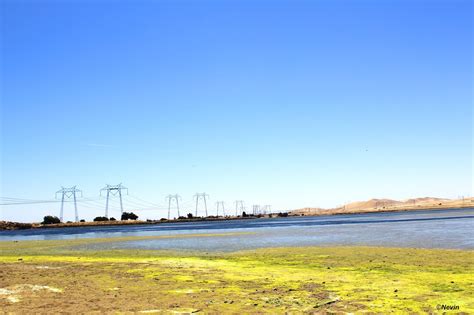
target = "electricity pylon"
x: 256, y: 209
x: 113, y: 190
x: 170, y: 198
x: 202, y: 196
x: 68, y: 193
x: 218, y: 205
x: 267, y: 209
x: 239, y: 205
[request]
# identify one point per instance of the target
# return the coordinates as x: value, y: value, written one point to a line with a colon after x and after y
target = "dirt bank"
x: 6, y: 225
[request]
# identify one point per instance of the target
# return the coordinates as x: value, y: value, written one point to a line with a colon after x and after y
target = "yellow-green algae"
x: 271, y: 280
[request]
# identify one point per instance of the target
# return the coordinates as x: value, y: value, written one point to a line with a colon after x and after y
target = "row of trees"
x: 132, y: 216
x: 49, y: 219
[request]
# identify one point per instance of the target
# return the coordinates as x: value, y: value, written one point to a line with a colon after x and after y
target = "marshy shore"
x: 62, y: 276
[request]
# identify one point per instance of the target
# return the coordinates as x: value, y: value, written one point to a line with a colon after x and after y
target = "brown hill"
x: 371, y: 204
x: 376, y: 205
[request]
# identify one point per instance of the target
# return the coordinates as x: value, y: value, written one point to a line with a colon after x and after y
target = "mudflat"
x: 64, y: 276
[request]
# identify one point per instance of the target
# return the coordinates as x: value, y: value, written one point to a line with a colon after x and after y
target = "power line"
x: 28, y: 203
x: 134, y: 204
x: 11, y: 199
x: 91, y: 204
x: 17, y: 201
x: 69, y: 195
x: 146, y: 202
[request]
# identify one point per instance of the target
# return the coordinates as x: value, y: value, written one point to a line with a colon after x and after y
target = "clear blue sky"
x: 289, y: 103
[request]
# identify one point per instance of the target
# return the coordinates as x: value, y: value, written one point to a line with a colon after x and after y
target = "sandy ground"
x: 51, y: 276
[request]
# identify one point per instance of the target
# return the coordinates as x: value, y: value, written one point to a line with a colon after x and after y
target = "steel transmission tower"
x: 267, y: 209
x: 239, y: 205
x: 198, y: 197
x: 175, y: 198
x: 218, y: 205
x: 113, y: 190
x: 68, y: 193
x: 256, y: 209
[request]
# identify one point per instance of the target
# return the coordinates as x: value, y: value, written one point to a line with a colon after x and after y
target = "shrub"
x: 82, y: 220
x: 284, y: 214
x: 49, y: 219
x: 129, y: 216
x: 181, y: 217
x: 244, y: 214
x: 97, y: 219
x: 190, y: 215
x: 112, y: 219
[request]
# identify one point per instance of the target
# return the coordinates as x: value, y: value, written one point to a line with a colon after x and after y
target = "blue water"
x: 422, y: 229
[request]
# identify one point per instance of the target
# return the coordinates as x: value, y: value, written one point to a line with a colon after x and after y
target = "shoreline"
x: 330, y: 212
x: 13, y: 226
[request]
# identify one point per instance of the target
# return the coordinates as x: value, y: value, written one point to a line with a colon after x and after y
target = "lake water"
x: 422, y: 229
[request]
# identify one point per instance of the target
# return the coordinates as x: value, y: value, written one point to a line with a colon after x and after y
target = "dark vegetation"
x: 98, y: 219
x: 49, y: 219
x: 129, y: 216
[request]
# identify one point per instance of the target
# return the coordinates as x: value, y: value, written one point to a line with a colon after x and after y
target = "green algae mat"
x: 61, y: 276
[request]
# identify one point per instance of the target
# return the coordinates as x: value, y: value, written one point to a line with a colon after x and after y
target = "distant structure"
x: 239, y: 206
x: 256, y: 209
x: 266, y: 209
x: 170, y: 198
x: 67, y: 193
x: 113, y: 190
x: 220, y: 204
x: 201, y: 196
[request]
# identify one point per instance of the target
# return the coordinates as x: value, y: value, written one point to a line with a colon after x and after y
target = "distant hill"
x: 376, y: 205
x: 372, y: 203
